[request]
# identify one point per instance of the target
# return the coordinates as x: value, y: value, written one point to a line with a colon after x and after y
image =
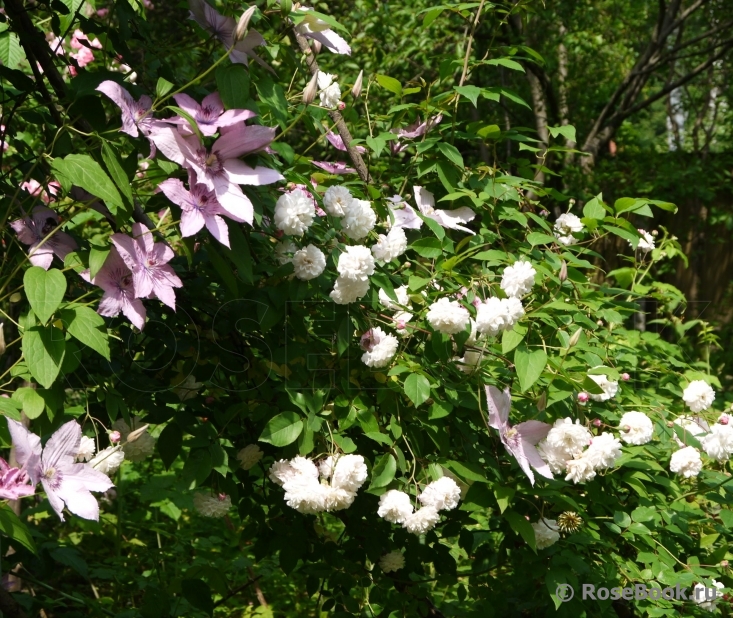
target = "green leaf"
x: 163, y: 87
x: 538, y: 238
x: 417, y: 389
x: 521, y: 527
x: 622, y: 519
x: 45, y: 290
x: 114, y: 166
x: 626, y: 235
x: 11, y: 53
x: 451, y: 153
x: 472, y: 93
x: 97, y: 258
x: 383, y: 471
x: 232, y: 81
x: 198, y: 594
x: 510, y: 339
x: 594, y: 208
x: 15, y: 529
x: 87, y: 326
x: 390, y: 83
x: 431, y: 16
x: 529, y: 366
x: 85, y: 172
x: 10, y: 407
x: 33, y: 404
x: 282, y: 429
x: 170, y: 443
x: 430, y: 248
x: 567, y: 131
x: 504, y: 496
x: 43, y: 350
x: 506, y: 62
x: 643, y: 513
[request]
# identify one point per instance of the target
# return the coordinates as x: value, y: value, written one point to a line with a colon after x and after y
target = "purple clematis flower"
x: 417, y: 128
x: 404, y: 214
x: 14, y: 482
x: 136, y: 116
x: 447, y: 218
x: 521, y: 440
x: 115, y: 278
x: 338, y: 142
x: 219, y: 168
x: 199, y: 207
x: 337, y: 167
x: 313, y: 28
x: 210, y: 115
x: 148, y: 261
x: 64, y: 481
x: 32, y: 230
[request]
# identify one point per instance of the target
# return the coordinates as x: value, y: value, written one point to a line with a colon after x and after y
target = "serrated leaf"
x: 417, y: 389
x: 529, y: 366
x: 43, y: 350
x: 282, y: 429
x: 11, y: 53
x: 85, y: 172
x: 45, y: 290
x: 88, y: 327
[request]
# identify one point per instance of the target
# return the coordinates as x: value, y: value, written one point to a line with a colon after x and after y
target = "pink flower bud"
x: 625, y: 377
x: 597, y: 422
x: 476, y: 302
x: 114, y: 436
x: 583, y: 397
x: 724, y: 419
x: 341, y: 106
x: 222, y: 497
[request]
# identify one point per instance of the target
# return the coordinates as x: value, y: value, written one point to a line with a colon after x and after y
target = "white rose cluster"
x: 495, y: 315
x: 391, y: 246
x: 249, y: 456
x: 441, y: 495
x: 329, y: 90
x: 698, y: 395
x: 354, y: 267
x: 546, y: 533
x: 518, y: 279
x: 448, y: 316
x: 294, y: 212
x: 86, y: 450
x: 565, y: 226
x: 686, y: 462
x: 636, y: 428
x: 359, y: 219
x: 108, y: 460
x: 309, y: 263
x: 646, y: 242
x: 379, y: 347
x: 609, y: 387
x: 304, y: 492
x: 209, y: 505
x: 393, y: 561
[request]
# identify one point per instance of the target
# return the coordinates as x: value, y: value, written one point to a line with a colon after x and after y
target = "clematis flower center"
x: 53, y: 477
x: 207, y: 115
x: 48, y: 226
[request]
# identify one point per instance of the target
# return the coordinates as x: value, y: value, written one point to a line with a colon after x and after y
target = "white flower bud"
x: 311, y: 90
x: 243, y: 23
x: 356, y: 90
x: 575, y: 338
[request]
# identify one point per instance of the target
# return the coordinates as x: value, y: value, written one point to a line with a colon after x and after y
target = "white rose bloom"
x: 284, y: 251
x: 513, y: 310
x: 336, y: 200
x: 580, y: 470
x: 568, y: 437
x: 108, y: 460
x: 336, y: 499
x: 442, y: 495
x: 294, y: 212
x: 448, y: 316
x: 325, y: 468
x: 309, y: 263
x: 686, y: 462
x: 646, y: 242
x: 565, y: 225
x: 469, y: 361
x: 142, y: 447
x: 349, y: 473
x: 422, y: 520
x: 609, y: 388
x: 359, y: 219
x: 604, y: 451
x: 86, y: 449
x: 305, y: 494
x: 400, y: 320
x: 356, y: 263
x: 546, y: 533
x: 518, y: 279
x: 393, y: 561
x: 694, y: 425
x: 718, y: 444
x: 249, y: 456
x: 211, y: 506
x: 330, y: 93
x: 636, y: 428
x: 382, y: 350
x: 284, y: 470
x: 347, y: 291
x: 698, y: 395
x: 705, y: 597
x: 402, y: 298
x: 491, y: 317
x: 395, y: 506
x: 391, y: 246
x: 553, y: 456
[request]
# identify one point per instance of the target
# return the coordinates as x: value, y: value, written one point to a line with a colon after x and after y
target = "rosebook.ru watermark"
x: 639, y: 592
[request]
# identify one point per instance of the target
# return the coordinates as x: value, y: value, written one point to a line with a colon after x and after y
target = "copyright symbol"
x: 564, y: 592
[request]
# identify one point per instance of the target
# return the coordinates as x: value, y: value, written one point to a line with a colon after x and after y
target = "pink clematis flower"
x: 14, y: 482
x: 199, y: 207
x: 135, y: 114
x: 337, y: 167
x: 115, y: 278
x: 32, y: 230
x: 223, y: 29
x: 416, y: 129
x: 83, y: 57
x: 447, y: 218
x: 65, y: 482
x: 219, y: 168
x: 313, y: 28
x: 148, y: 261
x: 521, y: 440
x: 79, y: 40
x: 404, y: 214
x: 338, y: 143
x: 210, y: 115
x: 36, y: 189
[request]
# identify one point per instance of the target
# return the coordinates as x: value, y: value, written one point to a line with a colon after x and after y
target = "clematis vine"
x: 65, y: 482
x: 209, y: 115
x: 136, y: 116
x: 521, y: 440
x: 451, y: 219
x: 36, y: 229
x: 219, y: 168
x: 148, y: 261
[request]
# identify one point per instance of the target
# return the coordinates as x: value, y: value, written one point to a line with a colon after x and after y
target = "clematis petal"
x: 218, y: 228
